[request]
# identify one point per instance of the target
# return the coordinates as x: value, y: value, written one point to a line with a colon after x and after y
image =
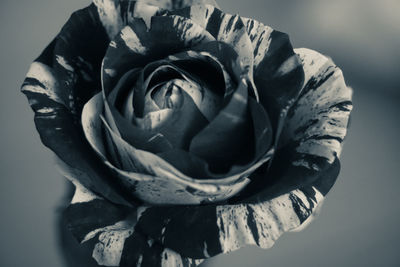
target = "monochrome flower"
x: 187, y: 132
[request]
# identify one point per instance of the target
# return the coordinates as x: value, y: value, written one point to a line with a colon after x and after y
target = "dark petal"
x: 225, y: 141
x: 155, y: 73
x: 78, y: 53
x: 109, y: 230
x: 263, y: 132
x: 280, y: 198
x: 150, y: 141
x: 86, y: 217
x: 184, y: 123
x: 118, y: 95
x: 225, y: 28
x: 115, y: 14
x: 57, y: 85
x: 206, y: 69
x: 278, y: 73
x: 191, y: 230
x: 137, y: 45
x: 187, y: 163
x: 142, y: 251
x: 231, y: 60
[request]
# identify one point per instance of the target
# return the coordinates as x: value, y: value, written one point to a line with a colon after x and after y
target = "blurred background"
x: 359, y: 223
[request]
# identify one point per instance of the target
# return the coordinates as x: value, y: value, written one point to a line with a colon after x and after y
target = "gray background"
x: 359, y: 222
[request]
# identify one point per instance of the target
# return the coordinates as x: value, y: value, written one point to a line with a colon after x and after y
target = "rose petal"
x: 137, y: 45
x: 225, y: 28
x: 184, y: 123
x: 155, y: 73
x: 58, y: 84
x: 110, y: 230
x: 263, y: 132
x: 151, y: 141
x: 86, y: 213
x: 278, y: 73
x: 115, y: 14
x: 214, y: 142
x: 91, y: 124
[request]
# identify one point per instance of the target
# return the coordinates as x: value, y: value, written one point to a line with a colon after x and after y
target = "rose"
x: 184, y: 111
x: 308, y: 124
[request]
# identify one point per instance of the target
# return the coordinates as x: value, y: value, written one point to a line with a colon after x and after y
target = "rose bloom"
x: 187, y: 132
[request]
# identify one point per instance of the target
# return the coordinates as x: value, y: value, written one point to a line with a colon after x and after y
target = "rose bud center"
x: 179, y: 109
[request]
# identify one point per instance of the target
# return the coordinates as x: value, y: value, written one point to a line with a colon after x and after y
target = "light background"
x: 359, y: 223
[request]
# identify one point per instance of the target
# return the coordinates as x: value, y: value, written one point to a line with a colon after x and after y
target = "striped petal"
x: 109, y: 230
x: 137, y: 45
x: 278, y: 72
x: 115, y: 14
x: 225, y: 28
x: 205, y: 231
x: 231, y: 126
x: 280, y: 198
x: 58, y: 83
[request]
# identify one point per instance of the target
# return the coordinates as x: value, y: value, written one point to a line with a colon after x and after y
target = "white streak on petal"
x: 239, y: 98
x: 191, y: 33
x: 132, y: 41
x: 82, y: 195
x: 110, y: 17
x: 44, y: 75
x: 154, y: 137
x: 301, y: 163
x: 110, y: 72
x: 64, y: 63
x: 113, y: 44
x: 140, y: 210
x: 139, y: 262
x: 312, y: 61
x: 170, y: 258
x: 108, y: 250
x: 145, y: 11
x: 45, y: 110
x: 288, y: 66
x: 127, y: 224
x: 205, y: 251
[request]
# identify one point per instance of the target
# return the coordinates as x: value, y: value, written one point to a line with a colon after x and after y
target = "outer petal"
x: 115, y: 14
x: 225, y: 28
x: 57, y: 85
x: 110, y: 230
x: 279, y: 199
x: 278, y: 73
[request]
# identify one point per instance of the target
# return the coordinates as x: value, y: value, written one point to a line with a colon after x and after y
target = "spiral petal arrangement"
x: 187, y: 132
